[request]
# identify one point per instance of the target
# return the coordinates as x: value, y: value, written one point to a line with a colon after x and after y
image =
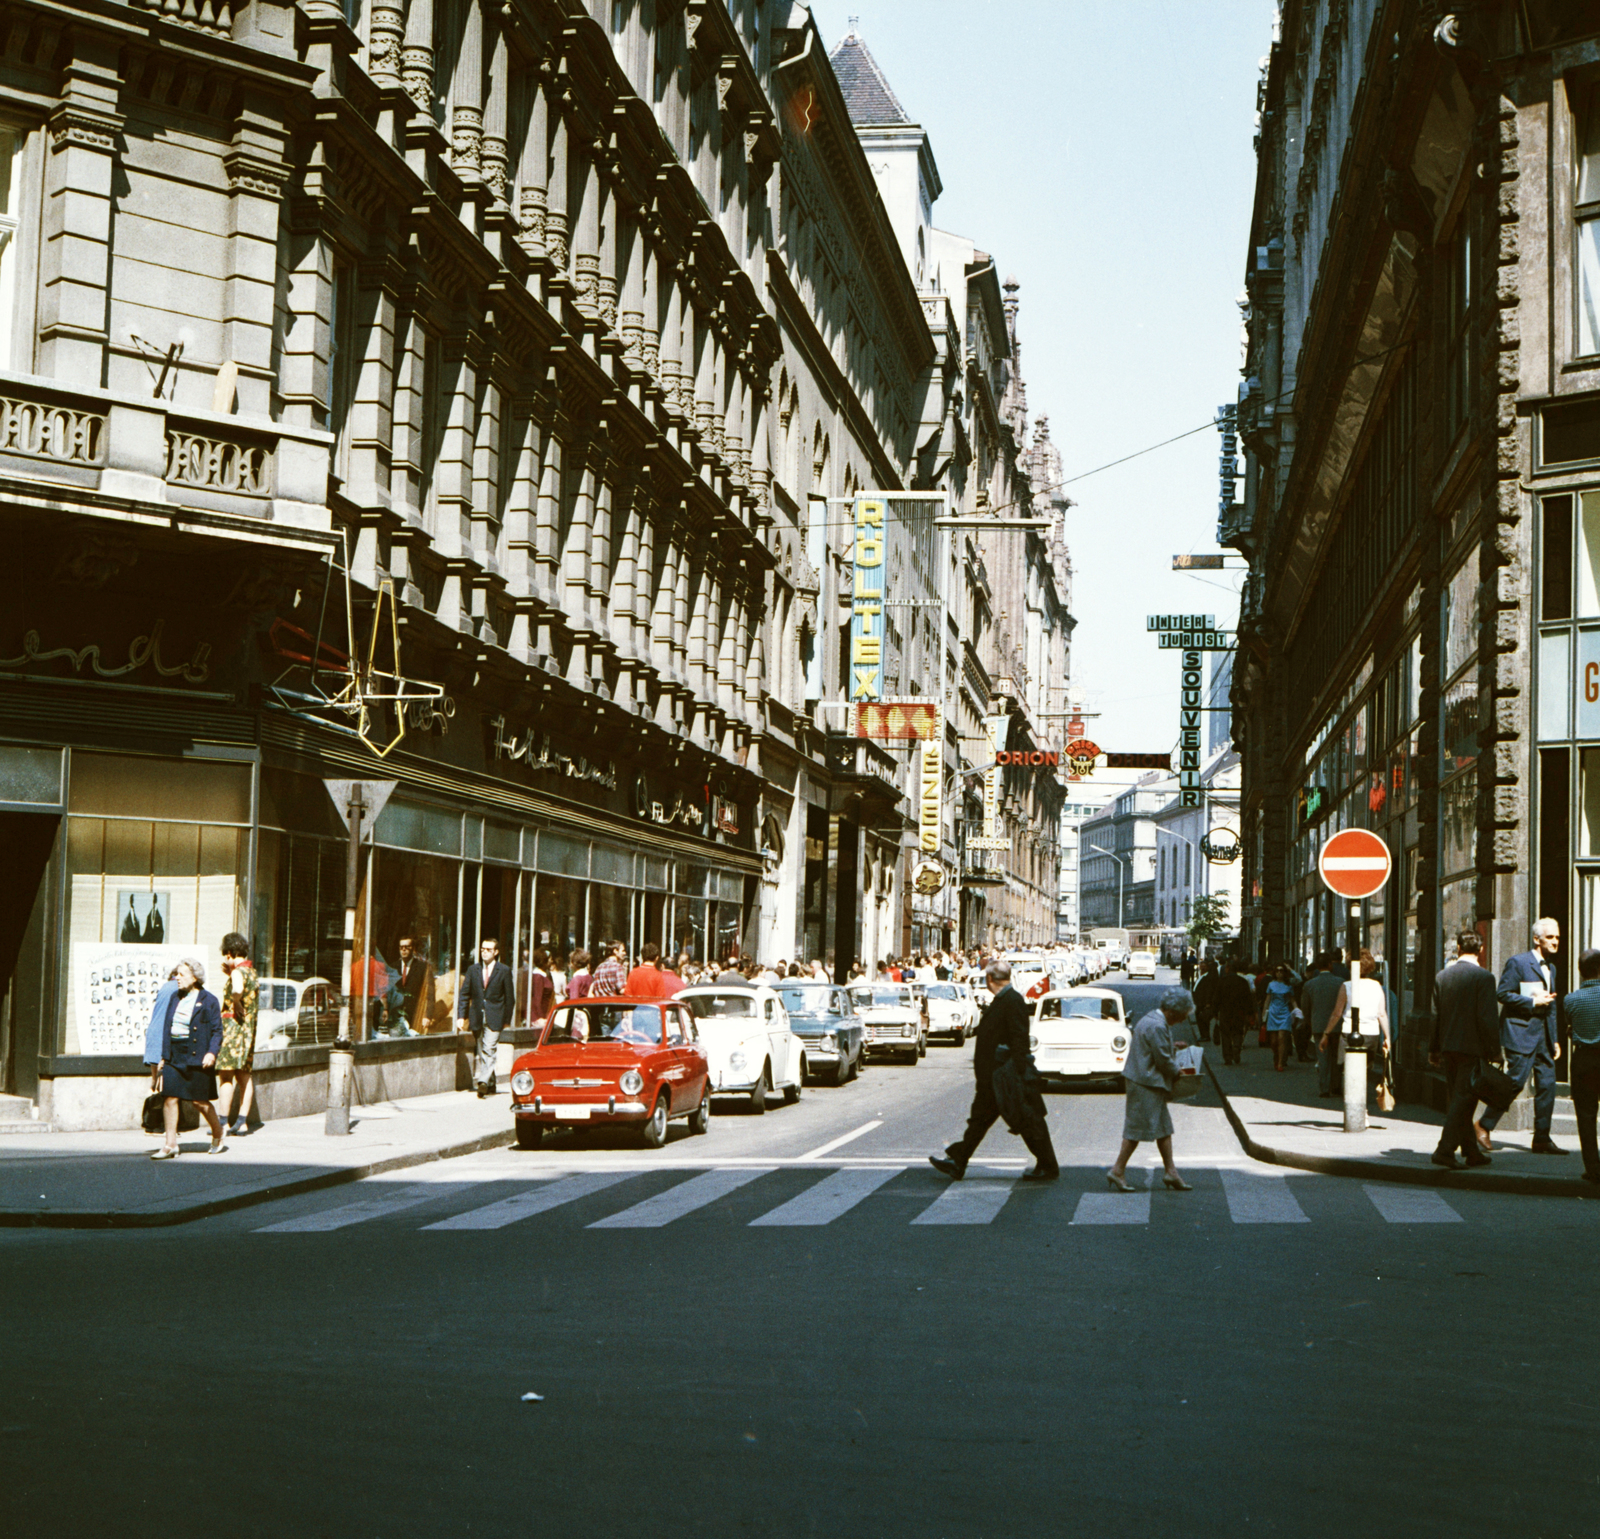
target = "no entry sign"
x: 1354, y: 864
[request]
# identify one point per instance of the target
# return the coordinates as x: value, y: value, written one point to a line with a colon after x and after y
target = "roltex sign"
x: 866, y: 611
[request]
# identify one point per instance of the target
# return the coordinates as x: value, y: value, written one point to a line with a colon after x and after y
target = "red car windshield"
x: 586, y: 1022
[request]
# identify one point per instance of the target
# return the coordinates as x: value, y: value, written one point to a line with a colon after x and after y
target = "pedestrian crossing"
x: 773, y: 1197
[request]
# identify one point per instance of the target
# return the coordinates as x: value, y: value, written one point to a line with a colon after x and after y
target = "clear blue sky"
x: 1102, y: 153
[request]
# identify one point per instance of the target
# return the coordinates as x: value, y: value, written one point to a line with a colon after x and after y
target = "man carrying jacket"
x: 488, y: 1004
x: 1466, y: 1032
x: 1528, y: 999
x: 1002, y: 1036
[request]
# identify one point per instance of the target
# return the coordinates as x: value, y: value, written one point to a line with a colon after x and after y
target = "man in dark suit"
x: 1235, y: 1007
x: 412, y: 996
x: 1003, y: 1027
x: 1528, y: 996
x: 1466, y: 1031
x: 487, y: 1001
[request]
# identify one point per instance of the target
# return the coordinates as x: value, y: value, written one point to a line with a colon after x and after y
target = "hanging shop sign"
x: 866, y: 611
x: 932, y: 802
x: 927, y: 877
x: 1182, y: 633
x: 1221, y: 847
x: 1081, y: 754
x: 1049, y: 756
x: 1227, y: 461
x: 1143, y: 761
x: 898, y: 721
x: 995, y: 728
x: 1191, y: 687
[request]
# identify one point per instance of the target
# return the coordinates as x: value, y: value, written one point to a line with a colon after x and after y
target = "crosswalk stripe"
x: 1410, y: 1204
x: 966, y: 1202
x: 824, y: 1202
x: 536, y: 1199
x: 1261, y: 1199
x: 377, y: 1206
x: 683, y: 1198
x: 1113, y: 1208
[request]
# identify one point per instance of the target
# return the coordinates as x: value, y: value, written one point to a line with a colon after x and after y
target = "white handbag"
x: 1188, y: 1061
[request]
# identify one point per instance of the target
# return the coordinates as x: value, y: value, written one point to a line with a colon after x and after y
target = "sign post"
x: 1354, y: 865
x: 355, y: 799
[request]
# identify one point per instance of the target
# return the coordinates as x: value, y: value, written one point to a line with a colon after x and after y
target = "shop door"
x: 26, y: 842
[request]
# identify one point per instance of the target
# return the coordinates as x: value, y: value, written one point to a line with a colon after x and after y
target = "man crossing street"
x: 1002, y: 1028
x: 487, y: 1003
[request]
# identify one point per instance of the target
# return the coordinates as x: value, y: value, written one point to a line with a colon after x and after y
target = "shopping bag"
x: 1188, y: 1061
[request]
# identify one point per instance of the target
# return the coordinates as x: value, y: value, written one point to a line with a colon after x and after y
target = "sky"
x: 1102, y: 154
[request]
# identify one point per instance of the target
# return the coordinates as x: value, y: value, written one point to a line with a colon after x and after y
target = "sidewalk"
x: 107, y: 1180
x: 1281, y: 1120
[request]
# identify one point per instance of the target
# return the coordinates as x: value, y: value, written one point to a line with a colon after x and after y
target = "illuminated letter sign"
x: 932, y: 794
x: 866, y: 616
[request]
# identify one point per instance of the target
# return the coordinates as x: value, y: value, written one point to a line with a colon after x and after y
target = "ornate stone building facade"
x: 1419, y: 418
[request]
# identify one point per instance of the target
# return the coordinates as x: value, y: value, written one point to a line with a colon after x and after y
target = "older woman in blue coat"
x: 191, y: 1038
x: 1151, y: 1074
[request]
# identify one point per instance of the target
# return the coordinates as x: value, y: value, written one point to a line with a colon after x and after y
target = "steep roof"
x: 868, y: 97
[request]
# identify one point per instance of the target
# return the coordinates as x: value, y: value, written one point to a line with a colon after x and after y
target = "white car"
x: 277, y: 1011
x: 952, y: 1011
x: 1080, y: 1034
x: 893, y: 1018
x: 749, y: 1045
x: 1142, y: 964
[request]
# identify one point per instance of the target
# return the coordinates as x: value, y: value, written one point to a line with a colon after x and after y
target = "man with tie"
x: 487, y: 1003
x: 413, y: 984
x: 1466, y: 1032
x: 1527, y: 996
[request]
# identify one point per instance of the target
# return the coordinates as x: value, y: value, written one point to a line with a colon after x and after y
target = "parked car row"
x: 648, y: 1063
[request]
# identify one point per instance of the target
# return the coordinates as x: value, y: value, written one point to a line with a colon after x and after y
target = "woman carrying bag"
x: 190, y: 1042
x: 1366, y: 994
x: 1152, y: 1076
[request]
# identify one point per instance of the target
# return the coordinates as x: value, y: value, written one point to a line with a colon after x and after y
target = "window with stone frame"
x: 1459, y: 317
x: 1586, y: 220
x: 14, y: 253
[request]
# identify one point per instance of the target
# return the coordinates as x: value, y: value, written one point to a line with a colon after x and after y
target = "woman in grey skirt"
x: 1151, y: 1073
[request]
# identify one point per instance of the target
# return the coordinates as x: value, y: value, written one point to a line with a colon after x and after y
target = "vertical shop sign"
x: 932, y: 793
x: 866, y: 611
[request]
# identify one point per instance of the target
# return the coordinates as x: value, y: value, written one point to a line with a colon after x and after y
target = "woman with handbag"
x: 190, y: 1042
x: 1151, y: 1075
x: 1365, y: 992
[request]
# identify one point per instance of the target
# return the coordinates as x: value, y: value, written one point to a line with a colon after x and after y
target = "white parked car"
x: 277, y: 1011
x: 893, y: 1018
x: 1080, y: 1034
x: 749, y: 1045
x: 952, y: 1011
x: 1142, y: 964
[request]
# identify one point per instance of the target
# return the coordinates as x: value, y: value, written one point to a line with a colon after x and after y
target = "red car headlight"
x: 631, y: 1083
x: 522, y: 1083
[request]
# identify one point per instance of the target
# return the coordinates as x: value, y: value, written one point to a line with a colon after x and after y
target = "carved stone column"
x: 416, y: 56
x: 466, y: 118
x: 256, y: 176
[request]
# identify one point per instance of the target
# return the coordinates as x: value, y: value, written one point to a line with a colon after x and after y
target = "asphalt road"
x: 735, y: 1339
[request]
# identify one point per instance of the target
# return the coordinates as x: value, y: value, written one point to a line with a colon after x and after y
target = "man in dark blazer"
x: 487, y: 1002
x: 1002, y: 1026
x: 412, y: 997
x: 1528, y: 993
x: 1466, y: 1031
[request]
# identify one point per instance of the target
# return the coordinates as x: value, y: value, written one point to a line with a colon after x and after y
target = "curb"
x: 1401, y: 1175
x: 166, y: 1217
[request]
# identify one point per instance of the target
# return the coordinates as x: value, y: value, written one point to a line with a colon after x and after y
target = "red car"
x: 613, y: 1060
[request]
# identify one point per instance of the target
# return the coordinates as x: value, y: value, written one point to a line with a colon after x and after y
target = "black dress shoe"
x: 1445, y: 1159
x: 1477, y: 1158
x: 1547, y: 1146
x: 1043, y: 1175
x: 947, y: 1167
x: 1591, y: 1176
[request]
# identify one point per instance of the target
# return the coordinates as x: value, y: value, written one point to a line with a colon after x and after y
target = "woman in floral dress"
x: 238, y: 1054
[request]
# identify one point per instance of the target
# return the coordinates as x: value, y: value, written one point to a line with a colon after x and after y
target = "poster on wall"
x: 143, y: 918
x: 114, y: 990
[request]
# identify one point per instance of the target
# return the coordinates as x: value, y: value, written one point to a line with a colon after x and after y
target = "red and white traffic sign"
x: 1355, y: 864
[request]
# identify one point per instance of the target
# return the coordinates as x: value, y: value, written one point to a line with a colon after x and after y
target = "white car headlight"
x: 1118, y: 1042
x: 631, y: 1083
x: 1033, y: 1042
x: 737, y: 1059
x: 829, y: 1039
x: 522, y: 1083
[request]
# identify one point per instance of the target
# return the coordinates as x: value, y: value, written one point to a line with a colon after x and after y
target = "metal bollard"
x: 341, y: 1077
x: 1355, y: 1078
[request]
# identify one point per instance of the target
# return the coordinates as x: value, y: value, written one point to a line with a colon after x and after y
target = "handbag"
x: 1385, y: 1096
x: 1493, y: 1086
x: 1187, y: 1061
x: 151, y: 1120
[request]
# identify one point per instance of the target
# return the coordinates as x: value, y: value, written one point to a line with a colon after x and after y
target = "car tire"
x: 791, y: 1093
x: 655, y: 1128
x: 922, y: 1047
x: 841, y: 1074
x: 529, y: 1134
x: 700, y: 1117
x: 758, y: 1093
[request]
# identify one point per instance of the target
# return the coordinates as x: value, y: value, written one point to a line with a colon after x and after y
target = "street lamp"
x: 1122, y: 913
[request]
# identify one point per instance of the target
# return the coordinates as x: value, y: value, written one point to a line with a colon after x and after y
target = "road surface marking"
x: 1113, y: 1208
x: 377, y: 1206
x: 683, y: 1198
x: 839, y: 1142
x: 536, y: 1199
x: 824, y: 1202
x: 1261, y: 1199
x: 1410, y: 1205
x: 966, y: 1202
